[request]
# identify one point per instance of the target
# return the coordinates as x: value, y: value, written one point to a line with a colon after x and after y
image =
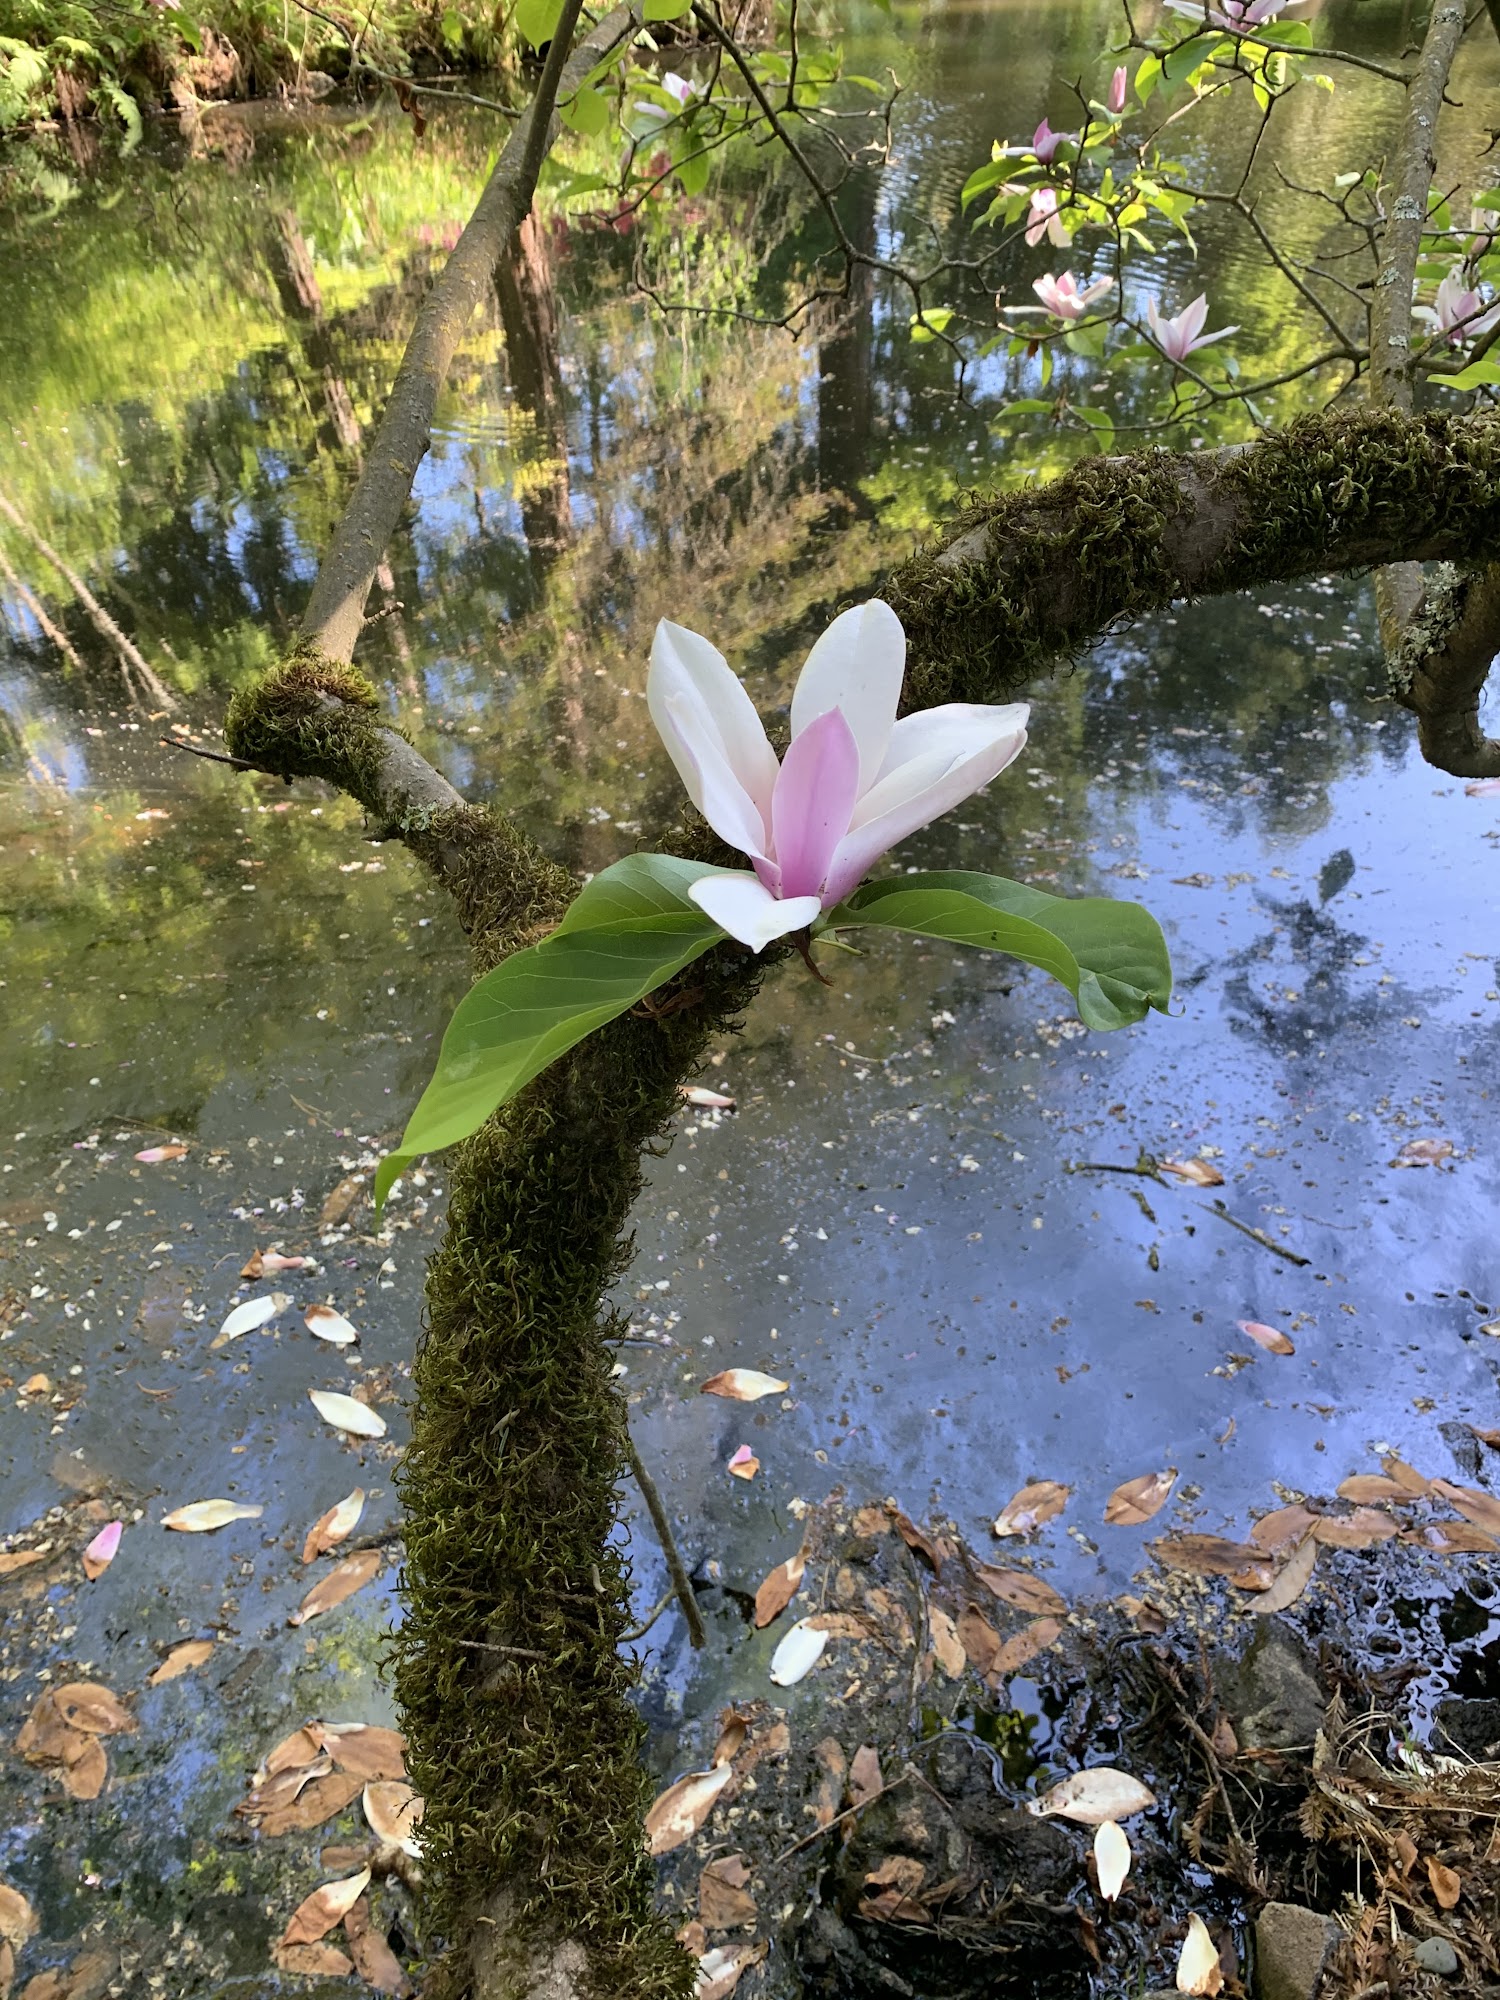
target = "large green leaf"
x: 1111, y: 956
x: 628, y: 931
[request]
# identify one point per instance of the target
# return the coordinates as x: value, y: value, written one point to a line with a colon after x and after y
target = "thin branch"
x: 213, y: 756
x: 681, y: 1583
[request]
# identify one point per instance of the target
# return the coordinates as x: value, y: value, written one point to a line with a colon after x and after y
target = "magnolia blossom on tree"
x: 1064, y: 300
x: 1238, y: 17
x: 1046, y: 142
x: 854, y: 780
x: 1043, y: 219
x: 1119, y: 85
x: 1458, y: 311
x: 1183, y: 335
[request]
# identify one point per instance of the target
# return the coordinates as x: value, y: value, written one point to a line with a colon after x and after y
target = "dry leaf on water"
x: 1416, y: 1483
x: 742, y: 1385
x: 251, y: 1313
x: 316, y: 1915
x: 1111, y: 1858
x: 88, y: 1977
x: 932, y: 1547
x: 798, y: 1653
x: 1198, y: 1967
x: 743, y: 1464
x: 181, y: 1660
x: 1199, y: 1172
x: 394, y: 1812
x: 1283, y: 1528
x: 270, y: 1794
x: 1023, y: 1646
x: 779, y: 1588
x: 375, y: 1962
x: 1451, y: 1538
x: 152, y: 1156
x: 86, y: 1775
x: 1423, y: 1153
x: 347, y: 1413
x: 1206, y: 1555
x: 362, y: 1749
x: 978, y: 1637
x: 1022, y: 1589
x: 1093, y: 1796
x: 333, y: 1526
x: 202, y: 1516
x: 17, y: 1918
x: 329, y: 1325
x: 102, y: 1550
x: 719, y: 1970
x: 1271, y: 1338
x: 1031, y: 1508
x: 1359, y: 1530
x: 946, y: 1646
x: 724, y: 1898
x: 683, y: 1807
x: 323, y: 1799
x: 1289, y: 1582
x: 1483, y: 1509
x: 1447, y: 1883
x: 1368, y: 1487
x: 352, y: 1574
x: 93, y: 1708
x: 299, y: 1748
x: 1137, y: 1500
x: 12, y: 1560
x: 311, y: 1961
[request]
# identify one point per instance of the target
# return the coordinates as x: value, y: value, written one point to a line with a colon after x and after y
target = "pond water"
x: 909, y: 1215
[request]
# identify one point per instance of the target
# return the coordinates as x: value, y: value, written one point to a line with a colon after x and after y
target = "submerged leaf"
x: 1022, y: 1589
x: 1022, y: 1647
x: 1206, y: 1555
x: 683, y: 1807
x: 181, y: 1660
x: 742, y: 1385
x: 347, y: 1413
x: 352, y: 1574
x: 1137, y: 1500
x: 1092, y: 1796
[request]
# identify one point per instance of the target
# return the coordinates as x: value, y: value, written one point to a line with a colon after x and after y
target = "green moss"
x: 1056, y: 566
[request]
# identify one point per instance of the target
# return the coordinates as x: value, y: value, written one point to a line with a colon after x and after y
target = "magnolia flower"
x: 1062, y: 297
x: 1044, y: 220
x: 1459, y: 312
x: 1178, y: 338
x: 854, y: 780
x: 1046, y: 142
x: 680, y: 87
x: 1119, y: 84
x: 1238, y: 17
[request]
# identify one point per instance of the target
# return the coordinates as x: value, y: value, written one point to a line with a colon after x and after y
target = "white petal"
x: 711, y: 782
x: 856, y: 666
x: 960, y: 728
x: 798, y: 1653
x: 686, y: 668
x: 741, y: 905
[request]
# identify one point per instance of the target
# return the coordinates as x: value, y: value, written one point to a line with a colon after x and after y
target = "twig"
x: 1145, y: 1165
x: 640, y: 1631
x: 837, y: 1820
x: 1256, y: 1235
x: 213, y: 756
x: 682, y: 1587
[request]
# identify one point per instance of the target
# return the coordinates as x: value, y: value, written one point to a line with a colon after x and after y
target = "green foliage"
x: 1111, y: 956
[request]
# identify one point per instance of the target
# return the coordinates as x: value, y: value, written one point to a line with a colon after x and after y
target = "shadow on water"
x: 903, y: 1217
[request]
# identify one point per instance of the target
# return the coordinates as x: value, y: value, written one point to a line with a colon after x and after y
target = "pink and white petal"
x: 744, y: 907
x: 813, y: 802
x: 713, y: 786
x: 1208, y: 339
x: 960, y: 728
x: 860, y: 849
x: 1191, y: 318
x: 687, y: 669
x: 856, y: 666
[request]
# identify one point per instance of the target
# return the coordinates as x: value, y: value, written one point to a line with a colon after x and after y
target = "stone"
x: 1435, y: 1954
x: 1471, y: 1727
x: 1292, y: 1946
x: 1273, y: 1694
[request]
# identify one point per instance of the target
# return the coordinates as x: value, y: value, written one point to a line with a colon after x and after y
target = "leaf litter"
x: 340, y: 1521
x: 1042, y: 1501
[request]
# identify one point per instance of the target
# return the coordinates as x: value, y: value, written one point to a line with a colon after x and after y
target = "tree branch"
x: 335, y: 611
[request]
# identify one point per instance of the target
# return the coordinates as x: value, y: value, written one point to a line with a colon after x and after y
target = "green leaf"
x: 537, y: 19
x: 665, y: 10
x: 1478, y: 375
x: 624, y: 935
x: 1111, y: 956
x: 1100, y: 422
x: 692, y: 168
x: 587, y: 111
x: 929, y: 324
x: 987, y: 176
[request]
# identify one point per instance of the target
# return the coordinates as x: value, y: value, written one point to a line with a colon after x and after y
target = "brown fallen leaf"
x: 44, y: 1736
x: 779, y: 1588
x: 341, y: 1199
x: 375, y: 1962
x: 394, y: 1812
x: 1042, y: 1501
x: 362, y: 1749
x: 93, y: 1708
x: 829, y: 1757
x: 1271, y: 1338
x: 1423, y: 1153
x: 734, y: 1727
x: 872, y: 1520
x: 181, y: 1660
x: 933, y: 1548
x: 946, y: 1645
x: 36, y: 1385
x: 7, y: 1967
x: 679, y: 1811
x: 317, y: 1803
x: 896, y: 1881
x: 724, y: 1899
x: 16, y: 1559
x: 1491, y: 1438
x: 316, y: 1915
x: 979, y: 1639
x: 1137, y: 1500
x: 692, y: 1937
x: 1451, y: 1538
x: 743, y: 1385
x: 720, y: 1970
x: 890, y: 1617
x: 1021, y: 1588
x: 1289, y: 1582
x: 1283, y: 1528
x: 1023, y: 1646
x: 311, y: 1961
x: 1406, y: 1475
x: 298, y: 1748
x: 1366, y: 1488
x: 280, y: 1788
x: 87, y: 1977
x: 1205, y: 1555
x: 332, y: 1527
x: 1145, y: 1616
x: 1200, y: 1172
x: 1406, y: 1850
x: 18, y: 1919
x: 743, y: 1464
x: 864, y: 1775
x: 1359, y: 1530
x: 85, y: 1776
x: 263, y: 1263
x: 341, y: 1582
x: 1447, y: 1884
x: 1225, y: 1743
x: 1483, y: 1509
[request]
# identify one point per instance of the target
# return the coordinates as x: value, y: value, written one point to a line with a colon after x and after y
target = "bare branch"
x: 1441, y: 670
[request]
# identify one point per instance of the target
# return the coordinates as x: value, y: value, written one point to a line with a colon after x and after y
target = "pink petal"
x: 813, y: 801
x: 715, y: 713
x: 101, y: 1551
x: 857, y: 666
x: 1190, y: 320
x: 747, y: 910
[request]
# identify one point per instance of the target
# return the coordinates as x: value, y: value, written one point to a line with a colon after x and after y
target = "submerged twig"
x: 838, y: 1820
x: 1256, y: 1235
x: 682, y: 1587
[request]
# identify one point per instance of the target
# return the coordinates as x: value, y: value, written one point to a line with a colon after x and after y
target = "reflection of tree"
x: 528, y: 312
x: 846, y: 356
